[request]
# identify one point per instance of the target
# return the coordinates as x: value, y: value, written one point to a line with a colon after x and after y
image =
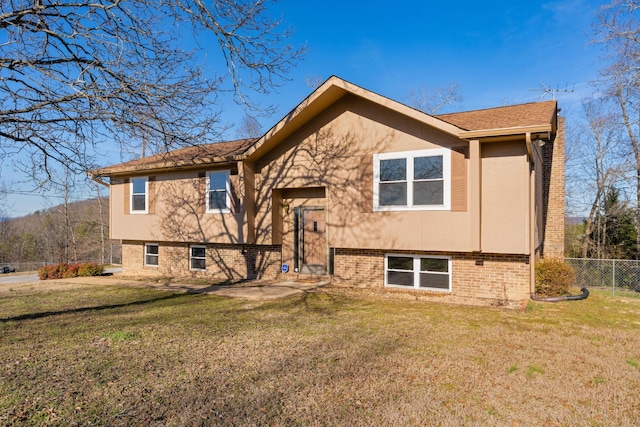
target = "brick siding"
x: 476, y: 278
x: 553, y: 187
x: 224, y: 261
x: 482, y: 279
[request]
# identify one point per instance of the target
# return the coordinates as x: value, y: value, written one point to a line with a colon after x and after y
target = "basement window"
x: 151, y: 254
x: 417, y: 271
x: 197, y: 257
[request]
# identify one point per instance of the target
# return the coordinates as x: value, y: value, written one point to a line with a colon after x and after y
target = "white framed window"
x: 417, y: 271
x: 151, y: 254
x: 197, y: 257
x: 218, y: 190
x: 139, y: 191
x: 412, y: 180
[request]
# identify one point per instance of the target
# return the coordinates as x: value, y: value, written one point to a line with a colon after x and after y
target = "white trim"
x: 156, y: 255
x: 409, y: 156
x: 416, y: 271
x: 146, y: 196
x: 227, y: 209
x: 192, y: 257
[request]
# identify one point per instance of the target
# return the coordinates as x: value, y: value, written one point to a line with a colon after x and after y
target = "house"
x: 361, y: 188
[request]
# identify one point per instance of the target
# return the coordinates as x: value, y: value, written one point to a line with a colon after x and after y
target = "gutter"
x: 529, y: 130
x: 95, y: 178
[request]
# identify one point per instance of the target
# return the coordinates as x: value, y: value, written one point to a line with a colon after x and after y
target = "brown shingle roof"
x: 536, y: 113
x: 183, y: 157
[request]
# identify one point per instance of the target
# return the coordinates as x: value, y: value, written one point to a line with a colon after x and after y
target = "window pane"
x: 393, y: 194
x: 217, y: 200
x: 139, y: 202
x: 431, y: 280
x: 399, y: 278
x: 198, y: 264
x: 152, y: 249
x: 400, y: 263
x: 428, y: 193
x: 434, y: 264
x: 198, y: 252
x: 393, y: 170
x: 218, y: 181
x: 138, y: 185
x: 427, y: 167
x: 151, y: 260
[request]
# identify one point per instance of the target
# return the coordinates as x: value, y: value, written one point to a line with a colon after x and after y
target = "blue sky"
x: 498, y: 52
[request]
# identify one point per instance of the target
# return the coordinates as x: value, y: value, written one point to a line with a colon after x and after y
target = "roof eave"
x: 175, y: 166
x: 520, y: 130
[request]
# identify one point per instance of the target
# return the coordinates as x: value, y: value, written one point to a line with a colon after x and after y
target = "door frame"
x: 298, y: 242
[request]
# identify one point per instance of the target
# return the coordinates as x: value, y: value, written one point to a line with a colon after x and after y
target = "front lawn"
x: 122, y: 356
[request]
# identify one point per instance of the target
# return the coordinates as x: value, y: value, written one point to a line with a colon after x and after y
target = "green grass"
x: 533, y: 370
x: 104, y: 355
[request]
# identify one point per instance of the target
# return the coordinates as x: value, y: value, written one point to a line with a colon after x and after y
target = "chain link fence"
x: 113, y: 256
x: 615, y: 274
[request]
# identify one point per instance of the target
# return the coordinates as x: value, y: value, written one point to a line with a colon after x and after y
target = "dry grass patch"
x: 122, y: 356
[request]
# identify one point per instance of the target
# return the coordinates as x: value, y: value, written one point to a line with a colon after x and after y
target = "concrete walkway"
x: 251, y: 290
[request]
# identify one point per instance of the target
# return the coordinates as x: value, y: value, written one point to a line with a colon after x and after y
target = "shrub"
x: 67, y: 271
x: 90, y: 269
x: 53, y: 271
x: 70, y: 271
x: 43, y: 272
x: 554, y: 277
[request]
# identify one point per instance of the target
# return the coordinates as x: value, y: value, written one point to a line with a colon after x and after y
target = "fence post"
x: 613, y: 281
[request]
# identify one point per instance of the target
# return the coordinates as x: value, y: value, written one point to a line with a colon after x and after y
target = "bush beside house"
x: 554, y: 277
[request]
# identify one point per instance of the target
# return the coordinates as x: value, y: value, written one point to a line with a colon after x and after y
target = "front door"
x: 312, y: 241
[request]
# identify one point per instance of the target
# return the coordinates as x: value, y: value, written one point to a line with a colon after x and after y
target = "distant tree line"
x: 70, y: 232
x: 612, y: 234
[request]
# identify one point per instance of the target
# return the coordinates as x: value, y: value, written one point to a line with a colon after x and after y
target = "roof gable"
x: 324, y: 96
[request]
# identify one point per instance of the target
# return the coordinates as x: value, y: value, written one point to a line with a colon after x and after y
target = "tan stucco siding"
x: 329, y: 151
x: 504, y: 198
x: 179, y: 212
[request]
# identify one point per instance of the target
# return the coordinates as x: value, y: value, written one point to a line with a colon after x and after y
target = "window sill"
x: 412, y: 288
x: 410, y: 208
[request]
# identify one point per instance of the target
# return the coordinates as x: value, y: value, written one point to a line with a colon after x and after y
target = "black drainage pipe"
x: 584, y: 295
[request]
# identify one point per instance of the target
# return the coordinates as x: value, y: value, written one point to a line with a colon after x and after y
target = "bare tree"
x: 313, y: 81
x: 102, y: 224
x: 432, y: 100
x: 76, y: 75
x: 598, y: 163
x: 619, y: 31
x: 249, y: 127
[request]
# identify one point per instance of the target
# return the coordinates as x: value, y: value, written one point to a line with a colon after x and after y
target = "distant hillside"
x: 77, y: 231
x: 573, y: 220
